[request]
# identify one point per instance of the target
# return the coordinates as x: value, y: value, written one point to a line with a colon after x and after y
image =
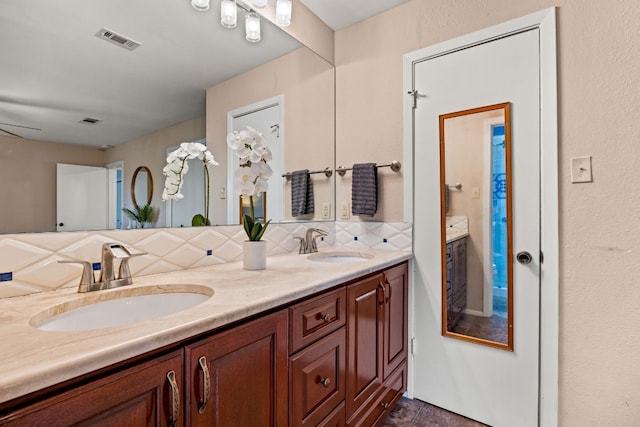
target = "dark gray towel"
x: 364, y: 189
x: 301, y: 193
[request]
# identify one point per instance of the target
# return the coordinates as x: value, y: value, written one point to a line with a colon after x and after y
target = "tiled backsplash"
x: 28, y: 262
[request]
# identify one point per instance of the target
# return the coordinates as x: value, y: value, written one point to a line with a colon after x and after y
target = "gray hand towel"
x: 301, y: 193
x: 364, y: 189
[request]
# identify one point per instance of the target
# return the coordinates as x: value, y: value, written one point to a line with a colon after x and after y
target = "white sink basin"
x: 120, y: 307
x: 339, y: 257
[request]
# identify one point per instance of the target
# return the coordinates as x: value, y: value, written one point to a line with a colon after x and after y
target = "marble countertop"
x: 33, y: 359
x: 455, y: 234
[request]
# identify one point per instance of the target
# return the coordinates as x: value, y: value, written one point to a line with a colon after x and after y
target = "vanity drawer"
x: 317, y: 380
x: 313, y: 319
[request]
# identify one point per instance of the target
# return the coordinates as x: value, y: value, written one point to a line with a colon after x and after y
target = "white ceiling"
x: 54, y: 72
x: 340, y: 14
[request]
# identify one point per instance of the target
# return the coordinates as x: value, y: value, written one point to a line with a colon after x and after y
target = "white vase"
x: 254, y: 255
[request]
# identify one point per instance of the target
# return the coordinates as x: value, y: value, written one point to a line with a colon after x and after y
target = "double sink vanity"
x: 316, y: 339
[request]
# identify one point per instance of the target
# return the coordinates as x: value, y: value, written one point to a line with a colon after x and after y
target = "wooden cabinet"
x: 376, y: 344
x: 149, y: 394
x: 239, y: 377
x: 456, y: 283
x: 333, y: 360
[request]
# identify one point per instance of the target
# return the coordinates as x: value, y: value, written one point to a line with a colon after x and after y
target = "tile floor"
x: 415, y: 413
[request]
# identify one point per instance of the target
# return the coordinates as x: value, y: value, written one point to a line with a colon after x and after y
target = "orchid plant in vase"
x: 177, y: 167
x: 252, y: 176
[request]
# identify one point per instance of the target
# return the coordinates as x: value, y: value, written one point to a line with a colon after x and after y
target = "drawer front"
x: 317, y: 379
x: 311, y: 320
x: 336, y: 418
x: 386, y: 399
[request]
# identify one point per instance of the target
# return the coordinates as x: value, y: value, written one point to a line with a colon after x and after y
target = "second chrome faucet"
x: 308, y: 242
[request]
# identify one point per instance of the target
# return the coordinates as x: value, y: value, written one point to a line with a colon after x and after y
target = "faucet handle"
x: 301, y: 248
x: 87, y: 279
x: 124, y: 272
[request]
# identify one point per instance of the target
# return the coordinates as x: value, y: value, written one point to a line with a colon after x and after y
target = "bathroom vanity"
x: 295, y: 345
x: 456, y: 282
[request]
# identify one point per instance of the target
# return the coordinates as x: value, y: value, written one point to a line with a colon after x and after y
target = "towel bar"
x: 326, y: 171
x: 394, y: 165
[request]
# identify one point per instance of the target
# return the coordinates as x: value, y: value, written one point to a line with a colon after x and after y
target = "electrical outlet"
x: 326, y: 211
x: 345, y: 213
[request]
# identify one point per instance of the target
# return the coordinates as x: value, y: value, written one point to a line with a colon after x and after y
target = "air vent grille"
x: 117, y: 39
x: 90, y: 121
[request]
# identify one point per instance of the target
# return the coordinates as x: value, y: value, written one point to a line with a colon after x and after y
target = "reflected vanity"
x: 476, y: 225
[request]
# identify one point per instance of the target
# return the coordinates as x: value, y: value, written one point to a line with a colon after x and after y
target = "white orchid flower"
x: 177, y: 166
x: 244, y: 181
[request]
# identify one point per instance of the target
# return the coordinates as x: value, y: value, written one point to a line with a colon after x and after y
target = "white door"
x: 490, y: 385
x: 82, y: 201
x: 266, y: 118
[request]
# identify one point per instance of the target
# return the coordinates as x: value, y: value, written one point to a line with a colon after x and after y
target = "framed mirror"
x: 81, y: 99
x: 141, y: 187
x: 476, y: 225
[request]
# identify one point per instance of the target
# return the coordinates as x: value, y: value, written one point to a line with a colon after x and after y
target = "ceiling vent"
x: 117, y: 39
x: 90, y: 121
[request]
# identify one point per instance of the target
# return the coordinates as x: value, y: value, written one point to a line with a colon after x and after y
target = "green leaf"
x: 199, y: 220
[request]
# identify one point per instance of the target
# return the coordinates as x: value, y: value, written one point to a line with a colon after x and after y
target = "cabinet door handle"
x: 387, y: 293
x: 175, y: 398
x: 207, y: 384
x: 385, y: 405
x: 384, y: 292
x: 325, y: 382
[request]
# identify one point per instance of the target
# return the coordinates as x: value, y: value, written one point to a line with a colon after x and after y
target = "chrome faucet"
x: 108, y: 279
x: 308, y: 243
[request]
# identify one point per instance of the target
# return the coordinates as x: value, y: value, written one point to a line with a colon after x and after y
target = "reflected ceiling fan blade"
x: 10, y: 133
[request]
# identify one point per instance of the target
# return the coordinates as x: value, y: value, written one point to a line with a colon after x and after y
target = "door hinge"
x: 413, y: 346
x: 414, y: 95
x: 541, y: 257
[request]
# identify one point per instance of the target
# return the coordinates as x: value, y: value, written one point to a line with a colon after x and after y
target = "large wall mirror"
x: 68, y: 96
x: 477, y: 276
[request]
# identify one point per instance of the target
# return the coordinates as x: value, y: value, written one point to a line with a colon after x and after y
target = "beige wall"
x: 306, y: 81
x: 28, y: 177
x: 599, y: 106
x: 151, y: 151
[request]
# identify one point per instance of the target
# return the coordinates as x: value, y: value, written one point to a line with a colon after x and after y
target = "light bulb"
x: 252, y: 27
x: 200, y: 5
x: 259, y: 3
x: 228, y: 13
x: 283, y: 13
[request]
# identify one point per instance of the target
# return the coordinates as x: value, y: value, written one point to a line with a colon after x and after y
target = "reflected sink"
x: 120, y: 307
x: 340, y: 257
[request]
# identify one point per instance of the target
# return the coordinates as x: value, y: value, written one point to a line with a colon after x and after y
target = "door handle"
x: 524, y: 257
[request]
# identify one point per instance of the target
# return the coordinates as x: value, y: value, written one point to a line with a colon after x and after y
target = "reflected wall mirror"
x: 138, y: 103
x: 141, y: 187
x: 476, y: 225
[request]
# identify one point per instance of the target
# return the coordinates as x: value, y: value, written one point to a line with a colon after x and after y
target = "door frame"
x: 545, y: 22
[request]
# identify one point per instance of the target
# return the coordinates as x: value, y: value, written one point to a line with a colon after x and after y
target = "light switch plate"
x: 344, y: 211
x: 581, y: 169
x: 475, y: 192
x: 326, y: 211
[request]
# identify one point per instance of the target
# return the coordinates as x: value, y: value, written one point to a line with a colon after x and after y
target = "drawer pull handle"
x: 175, y: 398
x: 207, y: 384
x: 326, y: 318
x: 385, y: 405
x: 325, y: 382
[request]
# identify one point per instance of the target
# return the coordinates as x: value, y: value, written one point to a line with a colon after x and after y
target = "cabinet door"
x: 239, y: 377
x: 365, y: 310
x: 395, y: 318
x: 139, y: 396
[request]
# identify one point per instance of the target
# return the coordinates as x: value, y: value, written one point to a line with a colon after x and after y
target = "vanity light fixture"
x: 259, y: 3
x: 283, y: 13
x: 228, y: 13
x: 200, y: 5
x: 252, y: 27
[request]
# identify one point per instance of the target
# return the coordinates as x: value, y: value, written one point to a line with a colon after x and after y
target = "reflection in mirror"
x: 141, y: 187
x: 144, y: 100
x: 475, y: 182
